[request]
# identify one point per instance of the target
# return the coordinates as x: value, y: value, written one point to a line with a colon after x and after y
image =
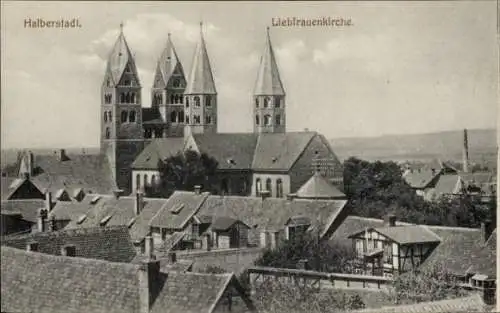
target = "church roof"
x: 168, y: 62
x: 119, y: 57
x: 317, y: 187
x: 268, y: 78
x: 200, y: 79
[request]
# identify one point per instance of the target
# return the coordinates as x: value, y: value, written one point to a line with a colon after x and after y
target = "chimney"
x: 265, y: 194
x: 42, y: 217
x: 197, y: 189
x: 466, y: 152
x: 486, y: 230
x: 139, y: 202
x: 149, y: 248
x: 68, y: 250
x: 48, y: 201
x: 390, y: 220
x: 172, y: 257
x: 117, y: 193
x: 149, y: 284
x: 32, y: 246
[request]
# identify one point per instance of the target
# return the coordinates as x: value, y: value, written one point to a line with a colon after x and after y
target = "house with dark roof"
x: 38, y: 282
x: 384, y: 247
x: 112, y: 244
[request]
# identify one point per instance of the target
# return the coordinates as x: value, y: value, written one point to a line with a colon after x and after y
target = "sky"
x: 400, y: 68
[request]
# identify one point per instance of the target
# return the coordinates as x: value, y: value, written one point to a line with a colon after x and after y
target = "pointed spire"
x: 119, y: 57
x: 200, y: 80
x: 168, y: 61
x: 268, y: 78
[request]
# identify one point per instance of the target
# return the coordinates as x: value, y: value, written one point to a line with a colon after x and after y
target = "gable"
x: 158, y: 81
x: 25, y: 189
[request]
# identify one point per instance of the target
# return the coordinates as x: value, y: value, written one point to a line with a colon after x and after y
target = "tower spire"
x: 268, y: 77
x: 200, y: 80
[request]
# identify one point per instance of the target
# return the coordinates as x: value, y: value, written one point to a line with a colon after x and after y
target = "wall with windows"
x: 140, y: 177
x: 278, y: 184
x: 269, y: 114
x: 201, y: 113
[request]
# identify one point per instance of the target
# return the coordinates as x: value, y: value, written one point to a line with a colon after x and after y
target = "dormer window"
x: 177, y: 209
x: 105, y: 220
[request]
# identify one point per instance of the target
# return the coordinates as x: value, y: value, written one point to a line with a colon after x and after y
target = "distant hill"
x: 421, y: 147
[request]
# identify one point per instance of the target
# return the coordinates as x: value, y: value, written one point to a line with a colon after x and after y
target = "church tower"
x: 167, y: 93
x: 121, y: 115
x: 200, y: 96
x: 269, y: 95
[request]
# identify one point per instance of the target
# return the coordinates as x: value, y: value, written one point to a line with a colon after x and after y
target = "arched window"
x: 173, y: 117
x: 171, y: 99
x: 124, y: 116
x: 127, y: 97
x: 267, y: 120
x: 181, y: 117
x: 122, y: 98
x: 208, y: 101
x: 208, y: 119
x: 258, y: 187
x: 182, y: 99
x: 138, y: 181
x: 131, y: 117
x: 153, y: 180
x: 108, y: 133
x: 279, y: 188
x: 267, y: 102
x: 277, y: 102
x: 145, y: 182
x: 257, y: 119
x: 105, y: 117
x: 197, y: 119
x: 257, y: 103
x: 110, y: 116
x: 278, y: 119
x: 176, y: 99
x: 108, y: 82
x: 160, y: 99
x: 132, y: 97
x: 197, y: 101
x: 187, y: 102
x: 269, y: 185
x: 187, y: 119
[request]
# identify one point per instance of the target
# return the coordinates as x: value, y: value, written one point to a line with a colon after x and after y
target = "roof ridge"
x: 69, y: 231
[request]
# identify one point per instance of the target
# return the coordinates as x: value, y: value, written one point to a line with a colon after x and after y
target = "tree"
x: 183, y: 171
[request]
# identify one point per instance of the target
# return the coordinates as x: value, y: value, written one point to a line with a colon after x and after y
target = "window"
x: 124, y: 116
x: 105, y: 117
x: 181, y: 117
x: 133, y: 98
x: 137, y: 181
x: 122, y: 98
x: 110, y: 116
x: 277, y: 102
x: 107, y: 98
x: 126, y: 82
x: 359, y: 248
x: 176, y: 99
x: 258, y: 187
x: 257, y: 120
x: 279, y: 188
x: 108, y: 82
x: 257, y: 103
x: 196, y: 119
x: 176, y: 83
x: 153, y: 180
x: 208, y: 119
x: 388, y: 252
x: 187, y: 102
x: 173, y: 117
x: 172, y: 99
x: 195, y: 229
x: 127, y: 98
x: 197, y: 101
x: 267, y: 120
x: 268, y: 185
x: 145, y: 181
x: 131, y: 117
x: 267, y: 102
x: 278, y: 119
x: 208, y: 101
x: 187, y: 119
x: 108, y: 133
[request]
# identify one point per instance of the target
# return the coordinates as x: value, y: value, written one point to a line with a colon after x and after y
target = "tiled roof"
x: 486, y: 257
x: 36, y: 282
x: 472, y: 303
x: 421, y: 178
x: 104, y: 243
x: 232, y: 151
x: 268, y: 78
x: 279, y: 151
x: 151, y: 115
x: 447, y: 185
x: 90, y: 172
x: 477, y: 177
x: 182, y: 266
x: 20, y: 188
x: 408, y: 234
x: 5, y: 183
x: 200, y: 80
x: 178, y: 209
x: 271, y: 214
x: 317, y: 187
x: 223, y: 223
x: 27, y: 208
x: 158, y: 149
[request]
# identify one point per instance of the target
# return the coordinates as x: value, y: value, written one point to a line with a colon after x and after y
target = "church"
x: 183, y: 115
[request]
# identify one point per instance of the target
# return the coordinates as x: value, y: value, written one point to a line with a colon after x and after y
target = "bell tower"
x: 269, y: 95
x: 121, y: 113
x: 200, y: 96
